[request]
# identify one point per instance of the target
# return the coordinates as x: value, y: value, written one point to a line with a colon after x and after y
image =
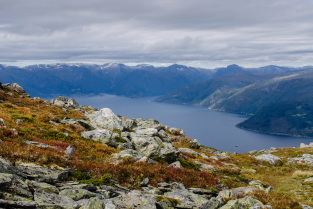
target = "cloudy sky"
x: 202, y: 33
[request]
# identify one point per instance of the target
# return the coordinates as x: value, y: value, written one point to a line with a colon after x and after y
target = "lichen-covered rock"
x: 261, y: 185
x: 65, y: 102
x: 154, y: 148
x: 44, y: 174
x: 82, y: 123
x: 146, y: 132
x: 239, y: 191
x: 106, y: 119
x: 93, y: 203
x: 100, y: 135
x: 246, y: 202
x: 44, y: 199
x: 17, y: 204
x: 177, y: 131
x: 195, y: 144
x: 128, y: 153
x: 17, y: 88
x: 77, y: 194
x: 186, y: 199
x: 213, y: 203
x: 204, y: 166
x: 14, y: 184
x: 136, y: 199
x: 149, y: 123
x: 272, y: 159
x: 189, y: 151
x: 306, y: 159
x: 42, y: 186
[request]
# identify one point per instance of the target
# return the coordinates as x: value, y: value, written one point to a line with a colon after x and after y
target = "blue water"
x: 211, y: 128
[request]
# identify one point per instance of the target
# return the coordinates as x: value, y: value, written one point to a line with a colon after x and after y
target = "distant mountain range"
x: 118, y: 79
x: 280, y: 102
x: 279, y: 99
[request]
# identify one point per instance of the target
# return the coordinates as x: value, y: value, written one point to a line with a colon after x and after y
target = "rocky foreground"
x: 57, y: 154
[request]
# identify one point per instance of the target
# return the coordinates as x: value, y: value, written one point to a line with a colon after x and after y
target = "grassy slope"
x: 92, y: 159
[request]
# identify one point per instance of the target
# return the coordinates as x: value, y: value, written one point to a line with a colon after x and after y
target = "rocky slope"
x: 57, y: 154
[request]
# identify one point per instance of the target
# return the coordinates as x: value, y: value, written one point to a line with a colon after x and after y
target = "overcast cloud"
x: 205, y: 33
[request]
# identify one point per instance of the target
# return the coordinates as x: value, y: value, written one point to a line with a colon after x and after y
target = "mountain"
x: 58, y: 154
x: 119, y: 79
x: 260, y: 95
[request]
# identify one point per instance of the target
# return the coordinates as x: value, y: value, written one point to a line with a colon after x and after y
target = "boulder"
x: 149, y: 123
x: 43, y: 174
x: 51, y: 200
x: 129, y: 153
x: 65, y: 102
x: 93, y: 203
x: 186, y: 199
x: 245, y: 202
x: 213, y: 203
x: 17, y: 88
x: 146, y: 132
x: 136, y: 199
x: 205, y: 166
x: 177, y: 131
x: 195, y: 144
x: 78, y: 194
x: 42, y: 186
x: 306, y: 159
x: 154, y: 148
x: 106, y: 119
x: 272, y: 159
x: 100, y: 135
x: 82, y: 123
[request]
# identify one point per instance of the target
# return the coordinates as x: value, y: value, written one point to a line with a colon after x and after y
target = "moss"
x: 189, y: 165
x: 119, y: 139
x: 173, y: 202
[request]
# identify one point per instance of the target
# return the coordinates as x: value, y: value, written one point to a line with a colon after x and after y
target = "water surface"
x: 211, y: 128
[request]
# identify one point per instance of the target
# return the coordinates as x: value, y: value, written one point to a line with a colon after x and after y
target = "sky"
x: 199, y: 33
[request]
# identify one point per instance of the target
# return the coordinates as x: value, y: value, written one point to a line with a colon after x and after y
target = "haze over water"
x: 211, y: 128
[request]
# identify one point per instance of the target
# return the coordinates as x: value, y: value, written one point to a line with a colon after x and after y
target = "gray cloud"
x: 198, y: 33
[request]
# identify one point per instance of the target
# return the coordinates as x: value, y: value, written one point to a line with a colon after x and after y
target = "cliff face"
x: 57, y: 154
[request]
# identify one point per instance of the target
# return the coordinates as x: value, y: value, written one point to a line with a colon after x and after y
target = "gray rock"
x: 186, y: 198
x: 17, y: 204
x: 129, y: 153
x: 306, y: 206
x: 189, y: 151
x: 38, y: 144
x: 207, y: 192
x: 163, y: 134
x: 2, y: 124
x: 70, y: 151
x: 17, y: 88
x: 195, y: 144
x: 144, y: 182
x: 205, y: 166
x: 93, y: 203
x: 44, y: 174
x: 14, y: 184
x: 306, y: 159
x: 82, y: 123
x: 239, y: 191
x: 65, y: 102
x: 100, y: 135
x: 261, y: 185
x: 177, y: 131
x: 176, y: 164
x: 154, y: 148
x: 308, y: 180
x: 77, y: 194
x: 106, y: 119
x: 272, y: 159
x: 246, y: 202
x: 146, y: 132
x: 213, y: 203
x: 44, y: 198
x: 42, y: 186
x: 149, y: 123
x: 136, y: 199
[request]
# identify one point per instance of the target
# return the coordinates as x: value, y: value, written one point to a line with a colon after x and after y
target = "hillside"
x: 57, y: 154
x: 263, y: 96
